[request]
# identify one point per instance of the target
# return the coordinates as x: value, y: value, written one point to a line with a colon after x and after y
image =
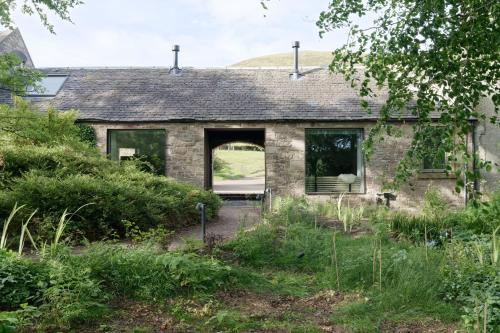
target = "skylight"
x: 49, y: 86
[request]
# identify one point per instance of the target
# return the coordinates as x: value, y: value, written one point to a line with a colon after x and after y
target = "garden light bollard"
x: 270, y: 192
x: 201, y: 208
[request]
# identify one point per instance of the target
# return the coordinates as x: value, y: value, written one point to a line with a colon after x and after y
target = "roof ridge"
x: 228, y: 68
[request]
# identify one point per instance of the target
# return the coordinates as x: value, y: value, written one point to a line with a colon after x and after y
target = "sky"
x: 211, y: 33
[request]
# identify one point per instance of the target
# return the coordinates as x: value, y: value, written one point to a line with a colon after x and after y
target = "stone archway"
x: 217, y: 137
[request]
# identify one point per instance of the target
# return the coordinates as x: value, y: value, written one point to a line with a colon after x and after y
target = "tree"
x: 14, y: 76
x: 432, y: 57
x: 60, y: 8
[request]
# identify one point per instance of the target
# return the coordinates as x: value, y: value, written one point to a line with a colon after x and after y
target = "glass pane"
x: 333, y: 160
x: 436, y: 162
x: 49, y: 86
x: 146, y: 145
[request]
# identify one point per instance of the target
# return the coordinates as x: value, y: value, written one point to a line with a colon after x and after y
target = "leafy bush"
x: 143, y: 198
x: 21, y: 281
x: 87, y: 134
x: 147, y: 274
x: 65, y: 294
x: 45, y: 165
x: 440, y: 223
x: 472, y: 278
x: 72, y: 297
x: 219, y: 164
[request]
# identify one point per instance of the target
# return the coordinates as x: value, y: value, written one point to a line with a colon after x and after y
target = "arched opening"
x: 235, y: 161
x: 238, y: 168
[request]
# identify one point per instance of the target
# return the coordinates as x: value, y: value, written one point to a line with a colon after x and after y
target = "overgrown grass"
x: 408, y: 285
x: 268, y: 278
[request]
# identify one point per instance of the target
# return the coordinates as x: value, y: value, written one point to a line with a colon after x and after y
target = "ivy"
x: 87, y: 134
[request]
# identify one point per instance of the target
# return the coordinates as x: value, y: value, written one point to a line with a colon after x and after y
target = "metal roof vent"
x: 295, y: 75
x: 175, y: 69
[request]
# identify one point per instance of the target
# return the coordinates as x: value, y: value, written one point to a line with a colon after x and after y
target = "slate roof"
x: 152, y: 94
x: 4, y: 34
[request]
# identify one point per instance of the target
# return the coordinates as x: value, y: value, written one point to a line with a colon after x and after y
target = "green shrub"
x: 72, y: 297
x: 87, y: 134
x: 21, y: 281
x: 472, y: 280
x: 219, y: 164
x: 147, y: 274
x: 440, y: 227
x: 45, y: 165
x: 145, y: 199
x: 64, y: 294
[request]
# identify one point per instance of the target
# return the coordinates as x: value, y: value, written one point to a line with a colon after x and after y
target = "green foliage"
x: 21, y: 281
x: 472, y: 278
x: 430, y: 57
x: 237, y: 164
x: 442, y: 224
x: 87, y: 134
x: 435, y: 206
x: 219, y: 164
x: 45, y: 165
x: 410, y: 277
x: 69, y: 290
x: 15, y: 77
x: 24, y: 124
x: 72, y: 296
x: 42, y: 8
x: 146, y: 274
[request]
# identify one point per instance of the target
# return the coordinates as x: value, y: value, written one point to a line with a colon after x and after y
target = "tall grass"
x: 397, y: 277
x: 13, y: 212
x: 24, y: 232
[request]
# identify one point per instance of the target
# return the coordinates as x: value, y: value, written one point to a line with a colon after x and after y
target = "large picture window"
x: 334, y: 161
x: 145, y: 145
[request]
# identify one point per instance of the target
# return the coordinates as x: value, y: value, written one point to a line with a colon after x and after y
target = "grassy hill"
x: 307, y: 58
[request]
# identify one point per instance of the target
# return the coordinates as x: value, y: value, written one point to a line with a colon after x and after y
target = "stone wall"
x: 285, y: 159
x: 488, y: 142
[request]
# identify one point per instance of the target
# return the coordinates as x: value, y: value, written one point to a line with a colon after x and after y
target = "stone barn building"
x: 308, y: 120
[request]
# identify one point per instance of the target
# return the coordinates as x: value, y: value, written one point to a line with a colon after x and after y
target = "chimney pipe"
x: 295, y: 74
x: 175, y: 69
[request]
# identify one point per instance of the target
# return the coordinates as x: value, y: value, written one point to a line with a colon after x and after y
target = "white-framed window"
x: 334, y: 160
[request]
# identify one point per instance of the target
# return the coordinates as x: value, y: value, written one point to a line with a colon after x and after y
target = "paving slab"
x: 232, y: 216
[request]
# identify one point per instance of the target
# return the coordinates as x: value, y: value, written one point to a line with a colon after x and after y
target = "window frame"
x: 433, y: 170
x: 423, y: 169
x: 360, y: 159
x: 108, y: 142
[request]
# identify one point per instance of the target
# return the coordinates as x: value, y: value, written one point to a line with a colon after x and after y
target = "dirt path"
x: 232, y: 216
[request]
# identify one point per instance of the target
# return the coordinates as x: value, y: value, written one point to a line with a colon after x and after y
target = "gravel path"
x: 233, y: 215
